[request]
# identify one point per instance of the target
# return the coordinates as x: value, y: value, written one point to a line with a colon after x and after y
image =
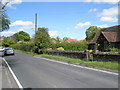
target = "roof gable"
x: 112, y: 34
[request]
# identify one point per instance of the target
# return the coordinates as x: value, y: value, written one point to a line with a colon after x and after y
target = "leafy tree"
x: 42, y: 39
x: 7, y: 41
x: 57, y: 39
x: 65, y: 39
x: 91, y: 31
x: 4, y: 20
x: 21, y: 36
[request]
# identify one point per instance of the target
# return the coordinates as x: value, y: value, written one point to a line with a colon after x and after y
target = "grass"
x: 101, y: 64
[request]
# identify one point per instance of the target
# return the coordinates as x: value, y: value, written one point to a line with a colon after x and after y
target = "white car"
x: 9, y: 51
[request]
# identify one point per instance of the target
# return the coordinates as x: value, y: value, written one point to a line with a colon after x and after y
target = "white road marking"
x: 14, y: 76
x: 78, y: 66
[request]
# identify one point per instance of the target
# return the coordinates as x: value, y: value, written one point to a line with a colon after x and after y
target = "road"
x: 34, y: 72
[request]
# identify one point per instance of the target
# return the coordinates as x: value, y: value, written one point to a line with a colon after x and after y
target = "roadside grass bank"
x: 100, y: 64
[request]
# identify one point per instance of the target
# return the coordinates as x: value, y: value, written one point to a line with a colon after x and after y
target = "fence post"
x: 87, y: 54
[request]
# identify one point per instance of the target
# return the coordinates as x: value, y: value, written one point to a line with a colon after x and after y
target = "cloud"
x: 109, y: 12
x: 11, y: 2
x: 103, y: 1
x: 22, y: 28
x: 109, y: 15
x: 81, y: 25
x: 23, y: 25
x: 53, y: 33
x: 93, y: 10
x: 102, y: 26
x: 7, y: 33
x: 108, y: 19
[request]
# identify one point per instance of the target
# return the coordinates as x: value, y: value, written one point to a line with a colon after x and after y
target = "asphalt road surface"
x: 35, y: 72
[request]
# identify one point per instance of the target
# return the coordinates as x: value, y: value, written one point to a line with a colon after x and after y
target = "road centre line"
x: 13, y: 74
x: 78, y: 66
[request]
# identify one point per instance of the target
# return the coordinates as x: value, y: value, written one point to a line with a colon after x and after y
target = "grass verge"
x: 101, y: 64
x: 107, y: 65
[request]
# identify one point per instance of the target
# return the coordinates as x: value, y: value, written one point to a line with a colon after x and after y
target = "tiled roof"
x: 112, y: 34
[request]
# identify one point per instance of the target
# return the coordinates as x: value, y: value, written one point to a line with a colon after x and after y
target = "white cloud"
x: 11, y: 2
x: 7, y: 33
x: 102, y: 26
x: 23, y: 25
x: 81, y: 25
x: 103, y: 1
x: 109, y: 15
x: 108, y: 19
x: 93, y: 10
x: 22, y: 28
x: 53, y: 33
x: 109, y: 12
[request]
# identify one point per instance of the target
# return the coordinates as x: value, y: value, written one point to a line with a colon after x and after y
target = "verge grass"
x: 101, y: 64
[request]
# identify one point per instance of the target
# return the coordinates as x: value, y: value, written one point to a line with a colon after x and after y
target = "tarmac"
x: 6, y: 79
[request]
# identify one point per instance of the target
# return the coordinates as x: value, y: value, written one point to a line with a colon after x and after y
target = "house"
x: 106, y: 38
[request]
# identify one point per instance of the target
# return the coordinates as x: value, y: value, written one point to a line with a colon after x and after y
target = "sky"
x: 63, y: 19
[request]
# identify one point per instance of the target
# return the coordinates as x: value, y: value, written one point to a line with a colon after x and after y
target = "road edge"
x: 13, y: 74
x: 78, y: 66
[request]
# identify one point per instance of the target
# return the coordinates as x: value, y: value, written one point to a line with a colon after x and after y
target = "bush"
x: 24, y: 46
x: 48, y: 49
x: 74, y: 46
x: 60, y: 49
x: 114, y: 50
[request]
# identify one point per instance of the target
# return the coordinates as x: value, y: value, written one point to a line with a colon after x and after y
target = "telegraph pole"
x: 36, y: 16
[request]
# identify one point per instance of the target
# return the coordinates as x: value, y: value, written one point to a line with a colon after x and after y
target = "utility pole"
x: 36, y: 16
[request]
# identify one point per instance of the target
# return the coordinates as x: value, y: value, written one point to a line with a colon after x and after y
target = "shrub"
x: 114, y: 50
x: 48, y: 49
x: 60, y: 49
x: 74, y: 46
x: 27, y: 46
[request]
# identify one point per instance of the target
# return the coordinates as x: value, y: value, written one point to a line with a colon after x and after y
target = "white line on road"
x: 78, y: 66
x: 14, y: 76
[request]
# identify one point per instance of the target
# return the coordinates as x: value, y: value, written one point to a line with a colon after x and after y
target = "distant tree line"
x: 41, y: 42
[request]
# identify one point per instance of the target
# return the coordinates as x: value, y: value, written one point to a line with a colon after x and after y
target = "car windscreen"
x: 9, y: 49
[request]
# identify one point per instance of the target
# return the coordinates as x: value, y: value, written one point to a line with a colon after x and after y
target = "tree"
x: 90, y: 32
x: 4, y: 21
x: 65, y: 39
x: 57, y: 39
x: 21, y: 36
x: 7, y: 41
x: 42, y: 39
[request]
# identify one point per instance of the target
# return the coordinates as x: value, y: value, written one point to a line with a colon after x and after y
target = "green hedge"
x: 114, y: 50
x: 75, y: 46
x: 23, y: 47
